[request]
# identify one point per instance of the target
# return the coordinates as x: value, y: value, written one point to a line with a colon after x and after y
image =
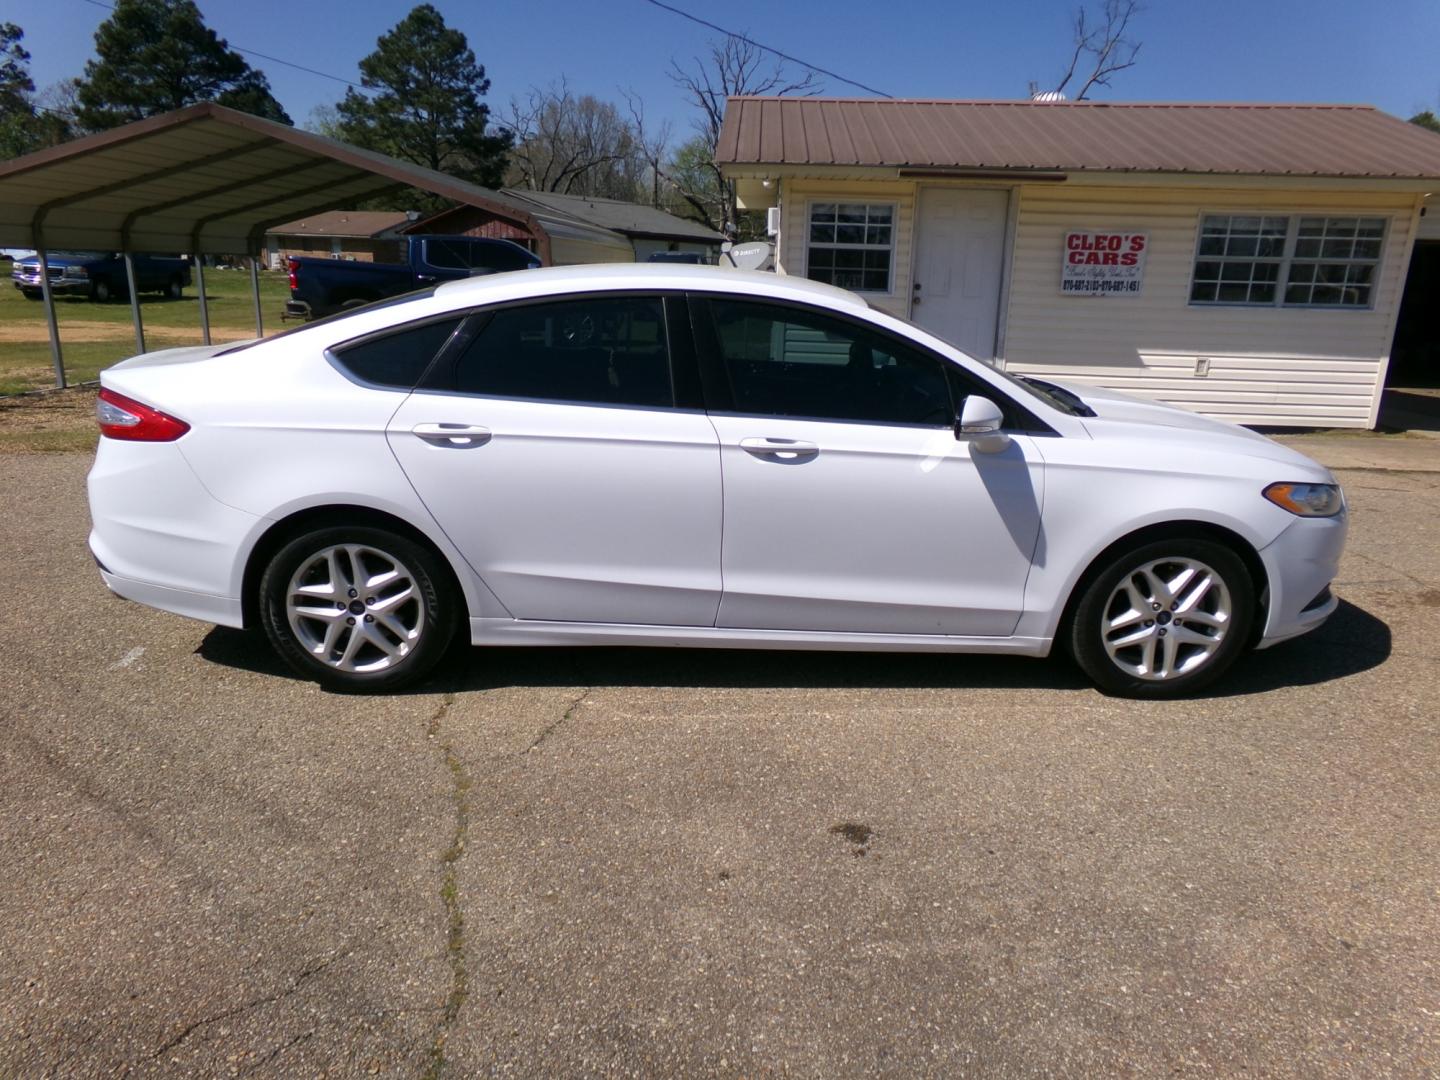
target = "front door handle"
x: 457, y: 435
x: 780, y: 449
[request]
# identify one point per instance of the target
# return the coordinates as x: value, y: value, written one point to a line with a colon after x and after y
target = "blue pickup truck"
x: 100, y: 275
x: 324, y: 286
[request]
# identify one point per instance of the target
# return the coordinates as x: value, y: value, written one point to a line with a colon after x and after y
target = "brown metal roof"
x: 355, y: 224
x: 203, y: 179
x: 1285, y: 140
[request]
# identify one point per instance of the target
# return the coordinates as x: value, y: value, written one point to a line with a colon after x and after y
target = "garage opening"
x: 1412, y: 383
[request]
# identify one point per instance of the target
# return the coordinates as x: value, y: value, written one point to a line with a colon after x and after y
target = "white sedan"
x: 666, y: 455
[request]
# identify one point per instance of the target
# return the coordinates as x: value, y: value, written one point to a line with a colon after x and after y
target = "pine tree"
x: 156, y: 55
x: 426, y: 107
x: 18, y: 116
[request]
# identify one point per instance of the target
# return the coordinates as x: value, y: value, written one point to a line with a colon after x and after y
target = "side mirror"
x: 980, y: 421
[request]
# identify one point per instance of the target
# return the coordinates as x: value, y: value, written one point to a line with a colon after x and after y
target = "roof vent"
x: 1048, y: 96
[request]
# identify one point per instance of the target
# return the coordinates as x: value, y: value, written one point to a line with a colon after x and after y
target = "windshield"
x: 69, y: 256
x: 1057, y: 397
x: 389, y: 301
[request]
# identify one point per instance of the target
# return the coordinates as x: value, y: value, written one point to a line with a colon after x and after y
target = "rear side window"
x: 398, y: 359
x: 601, y: 350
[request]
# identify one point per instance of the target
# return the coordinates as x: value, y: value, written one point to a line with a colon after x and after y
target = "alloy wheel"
x: 1166, y: 618
x: 355, y: 608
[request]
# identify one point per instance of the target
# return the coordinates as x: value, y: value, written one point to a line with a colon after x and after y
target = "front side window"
x: 1269, y: 260
x: 851, y: 245
x: 600, y: 350
x: 783, y: 361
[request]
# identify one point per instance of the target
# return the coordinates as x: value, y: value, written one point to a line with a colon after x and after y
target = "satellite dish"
x: 747, y: 256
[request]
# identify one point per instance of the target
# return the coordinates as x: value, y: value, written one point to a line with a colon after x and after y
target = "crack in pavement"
x: 305, y: 976
x: 273, y: 1054
x: 461, y: 784
x: 550, y: 729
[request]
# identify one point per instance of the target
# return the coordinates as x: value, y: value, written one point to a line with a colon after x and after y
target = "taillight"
x: 292, y: 266
x: 121, y: 417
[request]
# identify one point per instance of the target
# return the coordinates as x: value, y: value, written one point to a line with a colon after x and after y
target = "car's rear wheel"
x: 357, y: 608
x: 1164, y: 619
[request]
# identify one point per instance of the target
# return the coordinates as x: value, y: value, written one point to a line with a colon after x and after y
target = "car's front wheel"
x: 1164, y: 619
x: 175, y: 288
x: 357, y: 608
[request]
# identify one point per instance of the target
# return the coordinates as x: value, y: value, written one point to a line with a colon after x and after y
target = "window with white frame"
x: 1335, y: 261
x: 1302, y: 261
x: 851, y: 245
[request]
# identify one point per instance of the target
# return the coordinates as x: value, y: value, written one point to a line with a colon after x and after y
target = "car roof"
x: 624, y: 276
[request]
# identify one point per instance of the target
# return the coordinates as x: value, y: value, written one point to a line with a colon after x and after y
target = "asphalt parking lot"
x: 616, y: 862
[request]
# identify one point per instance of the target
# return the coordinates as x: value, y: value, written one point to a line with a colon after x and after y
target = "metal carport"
x: 205, y: 180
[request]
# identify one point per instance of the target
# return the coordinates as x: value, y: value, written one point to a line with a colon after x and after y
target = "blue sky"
x: 1383, y: 54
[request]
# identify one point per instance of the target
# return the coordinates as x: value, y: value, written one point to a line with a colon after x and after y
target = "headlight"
x: 1307, y: 500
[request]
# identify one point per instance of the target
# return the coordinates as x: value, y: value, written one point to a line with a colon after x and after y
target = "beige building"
x: 359, y: 235
x: 1244, y: 261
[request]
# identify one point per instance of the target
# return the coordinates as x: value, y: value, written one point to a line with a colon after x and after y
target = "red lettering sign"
x: 1109, y: 263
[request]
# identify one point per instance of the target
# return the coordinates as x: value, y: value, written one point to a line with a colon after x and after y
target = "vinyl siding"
x: 1429, y: 227
x: 1275, y: 366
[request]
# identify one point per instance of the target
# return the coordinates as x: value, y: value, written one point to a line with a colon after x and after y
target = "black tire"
x: 175, y: 288
x: 101, y: 292
x: 32, y: 294
x: 431, y: 610
x: 1192, y: 663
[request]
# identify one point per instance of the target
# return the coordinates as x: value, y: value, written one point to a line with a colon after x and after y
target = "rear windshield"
x: 389, y: 301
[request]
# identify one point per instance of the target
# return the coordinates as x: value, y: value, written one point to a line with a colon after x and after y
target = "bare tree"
x: 574, y: 145
x: 1102, y: 49
x: 734, y: 67
x: 653, y: 144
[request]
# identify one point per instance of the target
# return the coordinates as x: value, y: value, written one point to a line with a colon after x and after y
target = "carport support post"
x: 49, y: 297
x: 255, y: 292
x: 204, y: 305
x: 134, y: 303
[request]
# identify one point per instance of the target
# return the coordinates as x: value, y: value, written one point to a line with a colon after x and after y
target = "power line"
x: 766, y: 48
x: 263, y: 56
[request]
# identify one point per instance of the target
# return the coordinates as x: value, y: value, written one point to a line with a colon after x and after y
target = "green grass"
x: 81, y: 439
x: 94, y: 336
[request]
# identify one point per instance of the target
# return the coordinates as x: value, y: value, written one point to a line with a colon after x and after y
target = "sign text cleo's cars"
x: 1103, y: 263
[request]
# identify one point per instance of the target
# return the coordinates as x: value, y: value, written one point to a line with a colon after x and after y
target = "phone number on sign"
x: 1089, y: 285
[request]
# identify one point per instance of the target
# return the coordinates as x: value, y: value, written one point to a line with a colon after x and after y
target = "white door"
x: 959, y: 257
x: 556, y: 463
x: 867, y: 515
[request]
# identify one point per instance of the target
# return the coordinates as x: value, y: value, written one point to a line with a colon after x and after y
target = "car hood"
x: 1122, y: 415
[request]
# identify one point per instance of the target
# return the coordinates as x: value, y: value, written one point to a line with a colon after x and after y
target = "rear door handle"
x: 457, y: 435
x: 780, y: 449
